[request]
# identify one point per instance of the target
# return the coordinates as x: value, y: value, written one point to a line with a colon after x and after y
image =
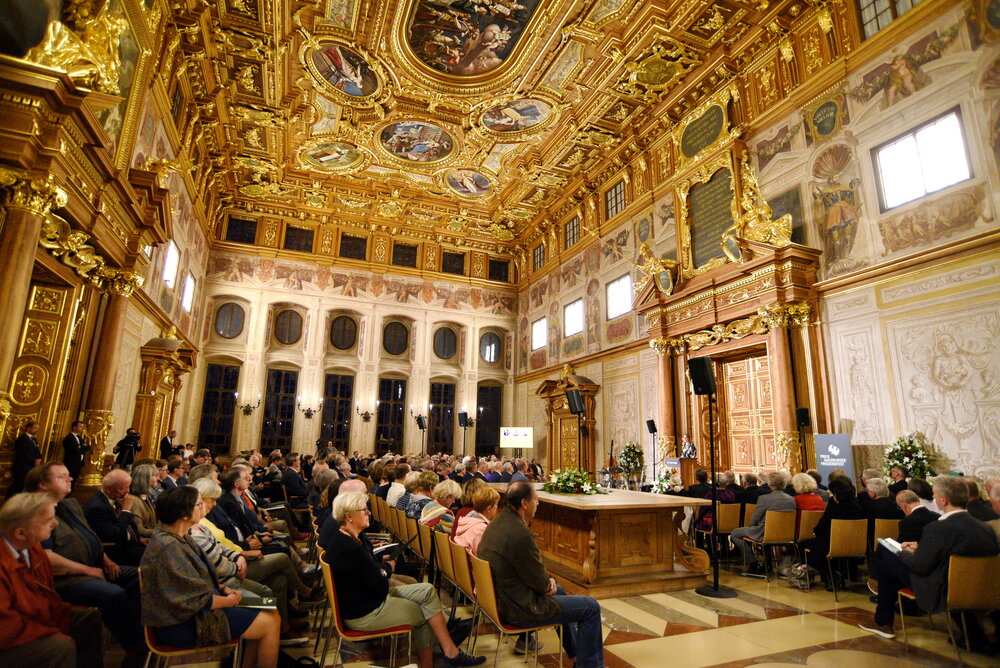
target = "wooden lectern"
x: 563, y: 436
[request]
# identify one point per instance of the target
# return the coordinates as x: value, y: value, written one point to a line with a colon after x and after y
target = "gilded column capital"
x: 660, y: 344
x: 121, y: 282
x: 785, y: 314
x: 37, y: 195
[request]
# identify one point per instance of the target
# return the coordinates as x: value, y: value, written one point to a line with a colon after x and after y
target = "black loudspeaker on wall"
x: 702, y: 375
x: 651, y: 426
x: 421, y: 422
x: 802, y: 417
x: 463, y: 419
x: 575, y: 401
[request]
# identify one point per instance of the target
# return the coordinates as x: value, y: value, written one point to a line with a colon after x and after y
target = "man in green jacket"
x: 526, y: 595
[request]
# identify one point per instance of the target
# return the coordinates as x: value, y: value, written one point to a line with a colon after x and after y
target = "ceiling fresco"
x: 481, y: 120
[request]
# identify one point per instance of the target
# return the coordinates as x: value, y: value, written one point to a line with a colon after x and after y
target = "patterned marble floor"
x: 769, y: 625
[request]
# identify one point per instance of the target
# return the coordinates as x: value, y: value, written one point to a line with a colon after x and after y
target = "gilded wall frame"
x: 681, y: 191
x: 726, y: 134
x: 131, y: 105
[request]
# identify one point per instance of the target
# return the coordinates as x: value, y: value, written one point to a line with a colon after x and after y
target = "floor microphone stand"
x: 714, y: 590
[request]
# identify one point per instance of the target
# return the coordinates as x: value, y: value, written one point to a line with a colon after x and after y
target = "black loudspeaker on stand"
x: 651, y: 428
x: 703, y: 381
x: 574, y: 399
x: 802, y: 420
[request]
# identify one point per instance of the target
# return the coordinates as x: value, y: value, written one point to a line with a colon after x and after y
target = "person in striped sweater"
x: 437, y: 514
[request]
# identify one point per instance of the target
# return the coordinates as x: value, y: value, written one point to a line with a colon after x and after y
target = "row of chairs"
x: 469, y: 577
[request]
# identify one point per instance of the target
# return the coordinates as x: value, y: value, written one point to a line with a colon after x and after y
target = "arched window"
x: 288, y: 327
x: 343, y: 332
x: 489, y: 347
x: 229, y: 320
x: 445, y: 343
x: 395, y: 338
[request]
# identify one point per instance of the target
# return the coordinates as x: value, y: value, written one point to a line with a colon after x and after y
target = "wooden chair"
x: 748, y: 509
x: 343, y: 632
x: 443, y: 561
x: 463, y: 581
x: 369, y: 483
x: 808, y: 520
x: 426, y: 549
x: 779, y: 530
x: 885, y: 529
x: 160, y: 654
x: 486, y: 596
x: 971, y: 586
x: 848, y: 539
x: 728, y: 520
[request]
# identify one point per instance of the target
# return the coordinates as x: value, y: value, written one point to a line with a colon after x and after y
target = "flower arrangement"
x: 570, y: 481
x: 912, y: 451
x: 669, y: 481
x: 631, y: 459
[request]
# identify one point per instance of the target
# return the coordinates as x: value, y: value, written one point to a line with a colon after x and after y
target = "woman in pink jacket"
x: 470, y: 527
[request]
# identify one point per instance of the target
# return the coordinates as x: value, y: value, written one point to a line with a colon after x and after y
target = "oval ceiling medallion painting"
x: 343, y: 70
x: 469, y: 37
x: 468, y: 183
x: 518, y: 116
x: 330, y: 156
x: 416, y: 142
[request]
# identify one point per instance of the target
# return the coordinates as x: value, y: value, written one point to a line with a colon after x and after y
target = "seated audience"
x: 728, y: 481
x: 268, y: 576
x: 181, y: 598
x: 526, y: 595
x: 922, y: 489
x: 109, y: 514
x: 325, y: 506
x: 995, y: 502
x: 820, y: 487
x: 843, y: 505
x: 507, y: 472
x: 37, y: 628
x: 141, y: 490
x: 174, y: 472
x: 295, y: 486
x: 866, y: 475
x: 458, y: 474
x: 700, y: 488
x: 437, y: 514
x: 321, y: 480
x: 469, y: 528
x: 911, y: 527
x: 751, y: 491
x: 397, y: 488
x: 520, y: 471
x: 421, y: 496
x: 877, y: 504
x: 409, y: 485
x: 775, y: 500
x: 366, y: 600
x: 979, y: 508
x: 468, y: 489
x: 898, y: 474
x: 806, y: 497
x: 206, y: 470
x: 384, y: 484
x: 923, y: 566
x: 84, y: 575
x: 494, y: 474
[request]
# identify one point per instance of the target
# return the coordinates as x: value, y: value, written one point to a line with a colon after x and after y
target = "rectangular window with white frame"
x: 619, y: 292
x: 922, y: 161
x: 614, y: 200
x: 572, y: 231
x: 538, y: 257
x: 539, y: 333
x: 187, y: 301
x: 170, y: 265
x: 573, y: 318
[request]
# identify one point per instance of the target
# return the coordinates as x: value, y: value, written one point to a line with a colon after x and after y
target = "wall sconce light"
x: 247, y: 408
x: 366, y: 416
x: 308, y: 412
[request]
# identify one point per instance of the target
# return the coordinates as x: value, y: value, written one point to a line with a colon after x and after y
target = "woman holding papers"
x: 366, y: 600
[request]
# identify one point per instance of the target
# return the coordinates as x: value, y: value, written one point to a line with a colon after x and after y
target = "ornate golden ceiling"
x: 472, y: 119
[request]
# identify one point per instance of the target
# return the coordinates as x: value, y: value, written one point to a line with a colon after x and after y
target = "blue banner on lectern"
x: 833, y: 451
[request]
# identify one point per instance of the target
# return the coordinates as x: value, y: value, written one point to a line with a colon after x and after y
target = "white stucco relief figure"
x: 862, y: 390
x: 954, y: 391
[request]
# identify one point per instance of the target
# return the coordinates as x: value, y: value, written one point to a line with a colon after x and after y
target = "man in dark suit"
x: 167, y: 446
x: 727, y: 479
x: 978, y: 507
x: 27, y: 456
x: 526, y: 595
x: 776, y: 500
x: 700, y: 489
x: 911, y: 527
x: 923, y: 566
x: 74, y: 449
x: 293, y: 482
x: 508, y: 472
x: 898, y: 474
x: 175, y: 469
x: 877, y: 505
x: 109, y: 514
x: 127, y: 448
x: 751, y: 491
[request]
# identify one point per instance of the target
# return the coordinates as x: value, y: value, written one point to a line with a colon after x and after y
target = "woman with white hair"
x: 806, y: 497
x: 142, y: 503
x: 368, y: 603
x: 437, y: 514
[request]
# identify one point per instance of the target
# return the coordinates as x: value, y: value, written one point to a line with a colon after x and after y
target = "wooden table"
x: 618, y: 544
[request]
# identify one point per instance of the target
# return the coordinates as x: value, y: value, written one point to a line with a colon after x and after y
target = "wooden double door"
x: 747, y: 417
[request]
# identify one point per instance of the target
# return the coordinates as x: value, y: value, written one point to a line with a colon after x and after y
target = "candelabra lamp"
x: 247, y: 409
x: 309, y: 412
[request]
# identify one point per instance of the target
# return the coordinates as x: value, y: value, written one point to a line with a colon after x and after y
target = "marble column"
x: 26, y: 201
x: 97, y: 417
